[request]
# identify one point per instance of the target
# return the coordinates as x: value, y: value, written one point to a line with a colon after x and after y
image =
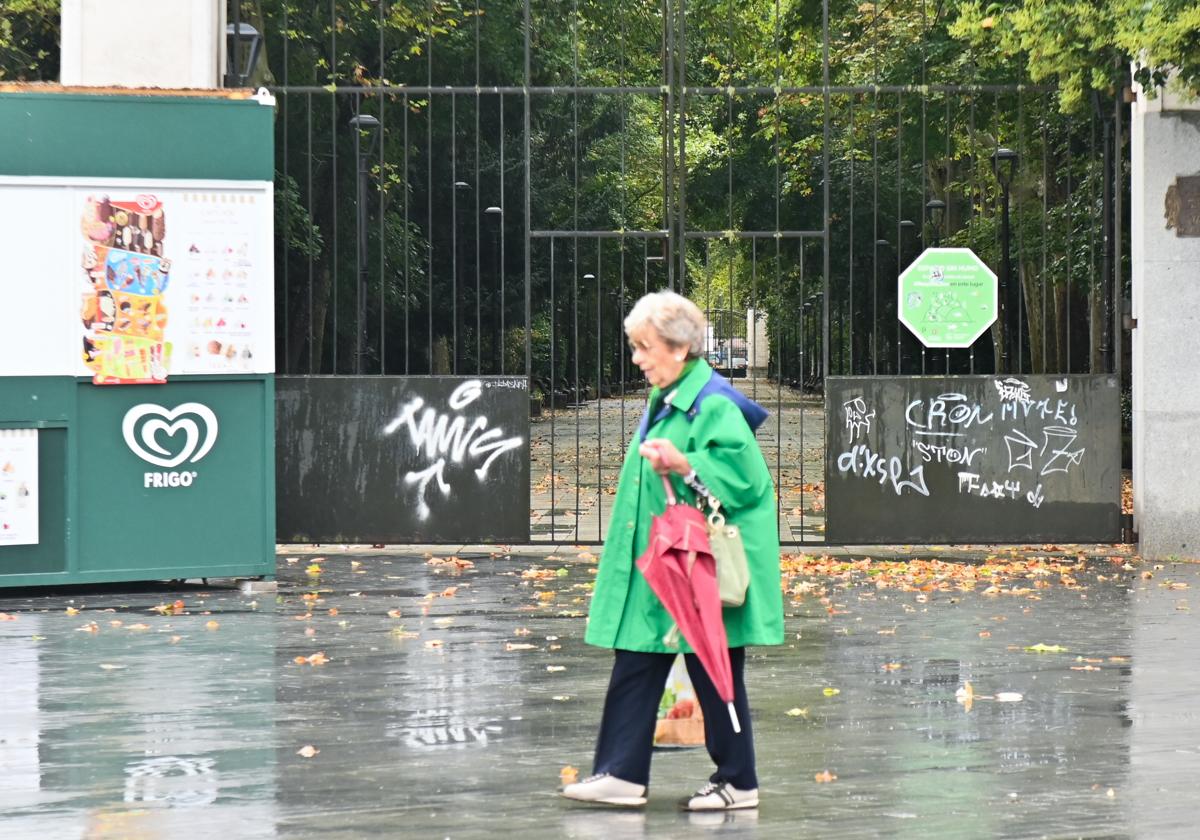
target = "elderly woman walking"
x: 699, y: 431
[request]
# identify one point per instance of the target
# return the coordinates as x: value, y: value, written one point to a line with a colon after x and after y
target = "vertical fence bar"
x: 360, y: 218
x: 311, y: 247
x: 599, y: 399
x: 826, y: 226
x: 287, y: 204
x: 528, y: 204
x: 383, y: 182
x: 850, y: 250
x: 454, y: 189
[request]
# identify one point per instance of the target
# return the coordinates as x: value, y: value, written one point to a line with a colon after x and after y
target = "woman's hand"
x: 664, y: 457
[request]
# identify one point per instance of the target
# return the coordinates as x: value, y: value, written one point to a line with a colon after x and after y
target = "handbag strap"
x: 670, y: 490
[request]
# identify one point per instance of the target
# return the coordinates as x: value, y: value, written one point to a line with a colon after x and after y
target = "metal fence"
x: 487, y: 187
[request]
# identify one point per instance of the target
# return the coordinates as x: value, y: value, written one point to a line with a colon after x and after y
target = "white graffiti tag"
x: 861, y: 461
x: 858, y: 419
x: 1013, y: 390
x: 440, y: 436
x: 1061, y: 459
x: 1020, y: 450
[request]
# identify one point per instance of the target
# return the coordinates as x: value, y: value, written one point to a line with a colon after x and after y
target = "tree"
x: 29, y: 35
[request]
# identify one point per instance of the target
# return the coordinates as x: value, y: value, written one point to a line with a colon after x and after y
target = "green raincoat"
x: 721, y: 448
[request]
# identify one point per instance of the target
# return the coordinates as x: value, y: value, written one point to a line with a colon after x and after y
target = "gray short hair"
x: 676, y: 319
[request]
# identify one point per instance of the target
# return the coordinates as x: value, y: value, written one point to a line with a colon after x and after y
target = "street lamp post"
x: 362, y: 123
x: 879, y: 243
x: 935, y: 212
x: 587, y: 279
x: 242, y: 45
x: 1004, y: 166
x: 907, y: 226
x: 459, y: 186
x: 497, y: 215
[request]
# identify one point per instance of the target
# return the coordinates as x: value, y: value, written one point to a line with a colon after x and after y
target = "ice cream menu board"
x: 18, y: 486
x: 174, y: 282
x: 125, y: 275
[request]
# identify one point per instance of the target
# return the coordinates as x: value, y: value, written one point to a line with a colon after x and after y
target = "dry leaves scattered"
x: 318, y: 658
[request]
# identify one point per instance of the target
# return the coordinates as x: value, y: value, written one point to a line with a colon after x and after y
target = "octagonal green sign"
x: 947, y: 297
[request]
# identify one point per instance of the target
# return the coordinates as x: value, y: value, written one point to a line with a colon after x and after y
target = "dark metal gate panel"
x: 973, y: 459
x: 402, y: 459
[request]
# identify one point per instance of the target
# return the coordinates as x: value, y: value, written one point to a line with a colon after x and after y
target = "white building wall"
x: 142, y: 43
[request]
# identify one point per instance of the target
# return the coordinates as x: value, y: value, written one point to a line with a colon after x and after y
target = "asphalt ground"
x: 1033, y: 691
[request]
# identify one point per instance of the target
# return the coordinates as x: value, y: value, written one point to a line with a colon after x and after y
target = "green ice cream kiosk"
x: 136, y: 337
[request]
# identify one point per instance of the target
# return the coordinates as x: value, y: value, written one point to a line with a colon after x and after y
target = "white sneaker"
x: 607, y: 790
x: 720, y: 796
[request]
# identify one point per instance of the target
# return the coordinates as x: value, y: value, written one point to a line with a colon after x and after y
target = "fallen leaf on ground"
x: 797, y: 712
x: 555, y: 668
x: 831, y: 692
x: 449, y: 591
x: 519, y: 646
x: 522, y: 631
x: 892, y: 666
x: 1084, y: 668
x: 824, y: 777
x: 211, y: 625
x: 318, y: 658
x: 434, y: 643
x: 72, y: 611
x: 1044, y: 648
x: 393, y: 613
x: 308, y: 751
x: 568, y: 775
x: 966, y: 695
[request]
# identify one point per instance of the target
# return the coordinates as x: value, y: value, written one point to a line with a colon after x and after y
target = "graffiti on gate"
x: 440, y: 435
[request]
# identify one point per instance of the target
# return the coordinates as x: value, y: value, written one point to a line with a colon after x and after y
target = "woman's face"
x: 660, y: 361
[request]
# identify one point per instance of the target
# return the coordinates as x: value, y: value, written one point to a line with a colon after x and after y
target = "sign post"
x: 947, y: 297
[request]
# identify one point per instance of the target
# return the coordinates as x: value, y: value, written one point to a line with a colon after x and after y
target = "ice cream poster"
x: 125, y: 274
x: 18, y: 487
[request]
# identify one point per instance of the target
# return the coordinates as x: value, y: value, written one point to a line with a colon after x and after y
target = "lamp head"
x: 1004, y: 165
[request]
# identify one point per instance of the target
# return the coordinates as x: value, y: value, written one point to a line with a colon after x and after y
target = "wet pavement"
x: 415, y: 696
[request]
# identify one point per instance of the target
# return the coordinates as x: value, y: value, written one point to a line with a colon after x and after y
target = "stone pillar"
x: 143, y: 43
x: 1165, y: 252
x: 758, y: 349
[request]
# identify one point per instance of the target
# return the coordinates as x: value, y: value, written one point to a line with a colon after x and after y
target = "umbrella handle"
x: 670, y: 490
x: 733, y: 717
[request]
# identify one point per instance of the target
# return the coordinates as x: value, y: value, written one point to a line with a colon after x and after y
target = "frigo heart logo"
x: 143, y: 437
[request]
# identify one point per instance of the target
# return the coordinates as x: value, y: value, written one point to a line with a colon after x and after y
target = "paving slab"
x: 405, y: 695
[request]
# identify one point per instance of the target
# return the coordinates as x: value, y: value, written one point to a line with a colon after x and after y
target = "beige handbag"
x: 733, y: 572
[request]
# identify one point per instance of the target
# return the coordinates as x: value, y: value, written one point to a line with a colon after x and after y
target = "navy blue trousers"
x: 631, y: 712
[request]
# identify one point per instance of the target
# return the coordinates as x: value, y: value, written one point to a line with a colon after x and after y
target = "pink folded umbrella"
x: 679, y: 567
